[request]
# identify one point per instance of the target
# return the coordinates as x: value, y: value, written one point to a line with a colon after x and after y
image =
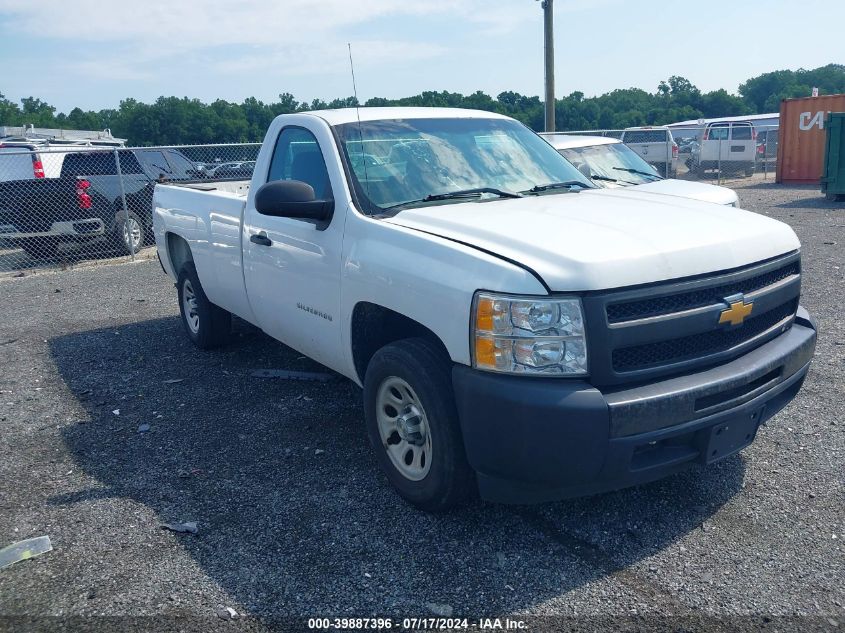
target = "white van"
x: 728, y: 146
x: 33, y: 159
x: 19, y: 161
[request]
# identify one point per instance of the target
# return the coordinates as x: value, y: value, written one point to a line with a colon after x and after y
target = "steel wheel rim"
x: 132, y: 233
x: 189, y: 303
x: 404, y: 429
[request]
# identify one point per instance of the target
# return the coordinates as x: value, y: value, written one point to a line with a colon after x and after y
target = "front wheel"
x: 207, y: 325
x: 413, y: 424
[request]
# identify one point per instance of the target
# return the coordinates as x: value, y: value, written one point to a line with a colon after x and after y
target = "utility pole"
x: 548, y: 27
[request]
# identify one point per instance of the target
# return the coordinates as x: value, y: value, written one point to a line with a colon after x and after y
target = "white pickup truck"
x: 515, y: 332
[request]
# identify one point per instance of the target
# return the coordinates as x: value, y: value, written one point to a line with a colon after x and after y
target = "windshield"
x: 614, y: 162
x: 415, y: 161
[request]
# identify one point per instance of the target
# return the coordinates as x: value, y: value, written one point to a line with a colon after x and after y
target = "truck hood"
x: 607, y: 238
x: 692, y: 190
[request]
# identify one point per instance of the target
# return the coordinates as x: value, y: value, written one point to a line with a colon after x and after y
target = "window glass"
x: 718, y: 132
x: 615, y: 162
x: 644, y: 136
x: 181, y: 166
x: 741, y: 132
x: 128, y: 163
x: 16, y: 165
x: 154, y: 163
x: 402, y: 161
x: 89, y: 164
x: 297, y: 156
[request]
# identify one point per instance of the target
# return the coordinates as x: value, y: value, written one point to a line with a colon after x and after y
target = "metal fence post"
x: 765, y: 154
x: 719, y: 168
x: 668, y: 169
x: 125, y: 208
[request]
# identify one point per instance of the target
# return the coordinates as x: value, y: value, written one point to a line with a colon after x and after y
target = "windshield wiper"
x: 558, y: 185
x: 460, y: 194
x: 608, y: 179
x: 471, y: 193
x: 641, y: 173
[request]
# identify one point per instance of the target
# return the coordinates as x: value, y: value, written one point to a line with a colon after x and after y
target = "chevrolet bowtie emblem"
x: 736, y: 311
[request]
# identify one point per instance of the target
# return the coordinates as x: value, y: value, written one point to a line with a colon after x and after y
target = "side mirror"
x: 293, y: 199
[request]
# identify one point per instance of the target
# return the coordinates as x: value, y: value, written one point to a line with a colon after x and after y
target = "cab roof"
x: 350, y: 115
x: 569, y: 141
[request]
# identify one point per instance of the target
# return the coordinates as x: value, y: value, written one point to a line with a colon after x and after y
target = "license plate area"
x: 731, y: 436
x: 737, y: 148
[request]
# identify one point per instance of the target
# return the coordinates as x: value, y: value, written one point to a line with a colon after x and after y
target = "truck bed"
x: 208, y: 215
x: 238, y: 187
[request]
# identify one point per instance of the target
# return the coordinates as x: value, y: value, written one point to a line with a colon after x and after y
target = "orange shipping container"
x: 802, y: 137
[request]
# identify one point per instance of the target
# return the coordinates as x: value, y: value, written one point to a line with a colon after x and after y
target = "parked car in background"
x: 85, y: 203
x: 515, y: 330
x: 726, y: 145
x: 685, y: 145
x: 231, y: 171
x: 656, y: 146
x: 610, y: 163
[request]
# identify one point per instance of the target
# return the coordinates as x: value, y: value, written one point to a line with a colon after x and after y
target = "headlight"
x: 524, y: 335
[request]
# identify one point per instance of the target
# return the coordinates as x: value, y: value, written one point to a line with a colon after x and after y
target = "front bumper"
x: 534, y: 439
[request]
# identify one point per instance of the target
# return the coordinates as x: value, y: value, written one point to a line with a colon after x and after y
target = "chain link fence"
x: 65, y: 204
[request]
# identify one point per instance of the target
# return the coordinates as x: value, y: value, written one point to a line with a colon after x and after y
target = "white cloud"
x: 189, y: 25
x: 283, y: 37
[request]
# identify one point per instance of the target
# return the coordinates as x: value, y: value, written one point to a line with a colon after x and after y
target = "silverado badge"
x: 736, y: 311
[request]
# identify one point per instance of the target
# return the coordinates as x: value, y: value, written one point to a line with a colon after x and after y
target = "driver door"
x: 292, y: 267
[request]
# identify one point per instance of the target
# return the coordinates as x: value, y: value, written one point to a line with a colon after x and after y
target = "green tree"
x: 10, y: 112
x: 764, y: 92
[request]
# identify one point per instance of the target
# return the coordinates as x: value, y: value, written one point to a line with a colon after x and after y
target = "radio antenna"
x: 358, y: 115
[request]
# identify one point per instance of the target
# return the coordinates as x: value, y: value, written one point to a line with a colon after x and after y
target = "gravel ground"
x: 295, y: 518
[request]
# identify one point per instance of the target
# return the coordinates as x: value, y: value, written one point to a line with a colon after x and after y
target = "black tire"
x: 40, y: 249
x: 213, y: 324
x: 137, y: 230
x: 449, y: 480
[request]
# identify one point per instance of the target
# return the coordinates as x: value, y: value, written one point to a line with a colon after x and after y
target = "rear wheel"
x: 207, y: 325
x: 128, y: 232
x: 413, y: 424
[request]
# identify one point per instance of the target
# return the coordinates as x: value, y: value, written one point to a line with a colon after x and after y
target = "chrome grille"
x: 631, y: 310
x: 673, y: 327
x: 699, y: 345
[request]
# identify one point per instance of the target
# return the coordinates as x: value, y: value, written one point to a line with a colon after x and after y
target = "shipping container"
x: 802, y: 137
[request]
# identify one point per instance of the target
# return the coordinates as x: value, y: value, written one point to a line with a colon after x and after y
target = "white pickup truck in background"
x: 513, y: 332
x: 656, y: 146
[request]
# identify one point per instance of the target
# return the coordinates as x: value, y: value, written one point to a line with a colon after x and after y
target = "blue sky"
x: 93, y: 53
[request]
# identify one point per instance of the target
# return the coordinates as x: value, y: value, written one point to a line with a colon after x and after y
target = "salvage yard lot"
x: 295, y: 518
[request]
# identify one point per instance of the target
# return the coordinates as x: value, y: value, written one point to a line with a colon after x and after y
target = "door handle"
x: 261, y: 239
